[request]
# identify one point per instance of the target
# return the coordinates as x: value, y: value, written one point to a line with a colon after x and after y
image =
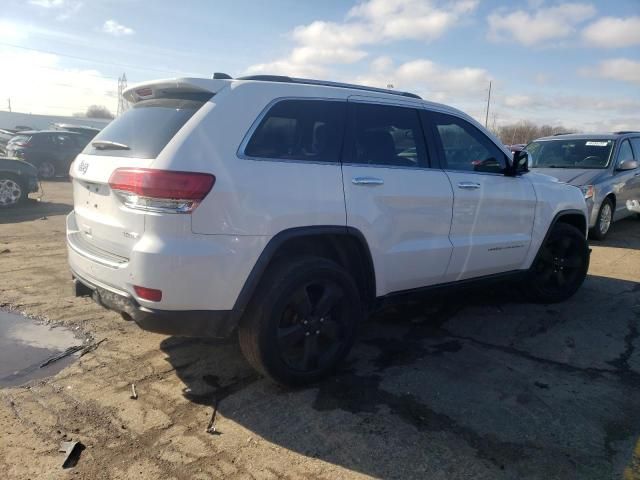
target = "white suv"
x: 286, y: 209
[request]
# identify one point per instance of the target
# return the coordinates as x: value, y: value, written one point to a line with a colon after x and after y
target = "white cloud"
x: 540, y: 26
x: 48, y: 3
x: 11, y: 31
x: 622, y: 69
x: 116, y: 29
x: 64, y: 8
x: 321, y: 43
x: 430, y: 80
x: 611, y: 32
x: 68, y: 90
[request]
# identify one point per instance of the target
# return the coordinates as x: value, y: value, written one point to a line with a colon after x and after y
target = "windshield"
x: 563, y: 153
x: 145, y: 129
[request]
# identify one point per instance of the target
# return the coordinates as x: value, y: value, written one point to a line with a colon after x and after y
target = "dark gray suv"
x: 604, y: 166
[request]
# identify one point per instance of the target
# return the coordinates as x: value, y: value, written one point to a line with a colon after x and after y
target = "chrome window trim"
x: 240, y: 153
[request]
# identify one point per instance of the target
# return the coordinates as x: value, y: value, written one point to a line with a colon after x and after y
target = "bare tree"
x: 99, y: 111
x: 526, y: 131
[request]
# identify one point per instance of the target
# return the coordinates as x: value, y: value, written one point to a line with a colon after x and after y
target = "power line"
x: 113, y: 64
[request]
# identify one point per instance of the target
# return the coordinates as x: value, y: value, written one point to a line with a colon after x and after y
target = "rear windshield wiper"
x: 109, y: 145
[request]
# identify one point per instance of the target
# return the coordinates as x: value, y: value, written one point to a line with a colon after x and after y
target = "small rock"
x: 6, y: 250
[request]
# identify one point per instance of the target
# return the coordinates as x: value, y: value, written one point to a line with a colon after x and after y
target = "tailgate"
x: 102, y: 221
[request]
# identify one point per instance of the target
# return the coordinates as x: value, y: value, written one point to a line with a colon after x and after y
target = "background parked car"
x: 17, y: 180
x: 605, y: 167
x: 517, y: 147
x: 88, y: 132
x: 50, y: 151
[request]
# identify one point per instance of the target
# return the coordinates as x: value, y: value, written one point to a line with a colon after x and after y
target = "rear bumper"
x: 186, y: 323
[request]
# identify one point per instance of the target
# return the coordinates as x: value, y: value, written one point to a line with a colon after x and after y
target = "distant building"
x: 11, y: 120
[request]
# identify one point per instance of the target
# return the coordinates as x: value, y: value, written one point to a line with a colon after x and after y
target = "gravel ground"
x: 479, y: 385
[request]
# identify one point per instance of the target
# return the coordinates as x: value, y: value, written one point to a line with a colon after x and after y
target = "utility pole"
x: 486, y: 118
x: 9, y: 103
x: 123, y: 105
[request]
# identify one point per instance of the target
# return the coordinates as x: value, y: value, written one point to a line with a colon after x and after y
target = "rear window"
x: 20, y: 139
x: 146, y: 128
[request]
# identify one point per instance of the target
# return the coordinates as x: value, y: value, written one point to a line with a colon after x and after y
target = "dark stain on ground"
x: 362, y: 394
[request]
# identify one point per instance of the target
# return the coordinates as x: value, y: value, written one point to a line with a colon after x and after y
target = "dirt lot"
x: 481, y: 385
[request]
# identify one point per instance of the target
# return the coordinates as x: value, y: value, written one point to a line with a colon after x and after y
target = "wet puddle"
x: 27, y: 348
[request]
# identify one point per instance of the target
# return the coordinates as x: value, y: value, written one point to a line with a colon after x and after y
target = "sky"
x: 575, y: 64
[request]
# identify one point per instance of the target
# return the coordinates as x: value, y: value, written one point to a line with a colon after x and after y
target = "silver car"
x: 605, y: 167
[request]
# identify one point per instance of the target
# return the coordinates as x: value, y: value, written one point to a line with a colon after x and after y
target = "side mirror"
x: 520, y: 163
x: 627, y: 165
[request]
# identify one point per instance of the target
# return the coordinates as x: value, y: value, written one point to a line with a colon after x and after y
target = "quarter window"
x: 467, y: 148
x: 385, y: 135
x: 309, y: 130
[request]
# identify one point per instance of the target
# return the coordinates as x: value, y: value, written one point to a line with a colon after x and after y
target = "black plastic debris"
x: 72, y: 451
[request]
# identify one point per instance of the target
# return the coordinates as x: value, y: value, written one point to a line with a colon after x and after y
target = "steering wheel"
x: 591, y: 158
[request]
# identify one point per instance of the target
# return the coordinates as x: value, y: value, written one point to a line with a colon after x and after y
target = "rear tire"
x: 605, y: 219
x: 12, y: 191
x: 46, y: 169
x: 302, y: 321
x: 560, y: 267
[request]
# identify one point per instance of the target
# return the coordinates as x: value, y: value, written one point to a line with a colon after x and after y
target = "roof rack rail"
x: 324, y: 83
x: 561, y: 133
x: 623, y: 132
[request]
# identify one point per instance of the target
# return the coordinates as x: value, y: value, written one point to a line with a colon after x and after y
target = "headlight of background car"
x: 587, y: 191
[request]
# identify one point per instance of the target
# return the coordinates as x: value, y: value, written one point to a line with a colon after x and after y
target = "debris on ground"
x: 60, y: 356
x: 83, y: 349
x: 211, y: 427
x: 72, y: 451
x: 91, y: 347
x: 6, y: 250
x: 134, y: 394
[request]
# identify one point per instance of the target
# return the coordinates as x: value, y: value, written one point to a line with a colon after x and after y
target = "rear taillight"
x: 150, y: 294
x: 160, y: 190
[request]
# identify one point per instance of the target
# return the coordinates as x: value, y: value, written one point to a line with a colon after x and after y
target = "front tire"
x: 605, y: 219
x: 560, y: 267
x: 302, y: 321
x: 12, y: 191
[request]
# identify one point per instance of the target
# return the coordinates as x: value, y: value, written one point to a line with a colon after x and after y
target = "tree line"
x: 526, y: 131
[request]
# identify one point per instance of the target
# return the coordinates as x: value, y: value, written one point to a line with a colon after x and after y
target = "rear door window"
x: 307, y: 130
x: 384, y: 135
x: 64, y: 142
x: 146, y: 128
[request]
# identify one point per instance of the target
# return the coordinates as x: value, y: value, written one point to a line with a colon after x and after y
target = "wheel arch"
x: 611, y: 196
x: 344, y: 245
x: 575, y: 218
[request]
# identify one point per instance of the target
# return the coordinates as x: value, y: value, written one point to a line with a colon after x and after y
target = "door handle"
x: 367, y: 181
x: 468, y: 185
x: 636, y: 174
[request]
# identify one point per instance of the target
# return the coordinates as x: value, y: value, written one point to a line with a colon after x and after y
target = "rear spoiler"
x: 167, y: 87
